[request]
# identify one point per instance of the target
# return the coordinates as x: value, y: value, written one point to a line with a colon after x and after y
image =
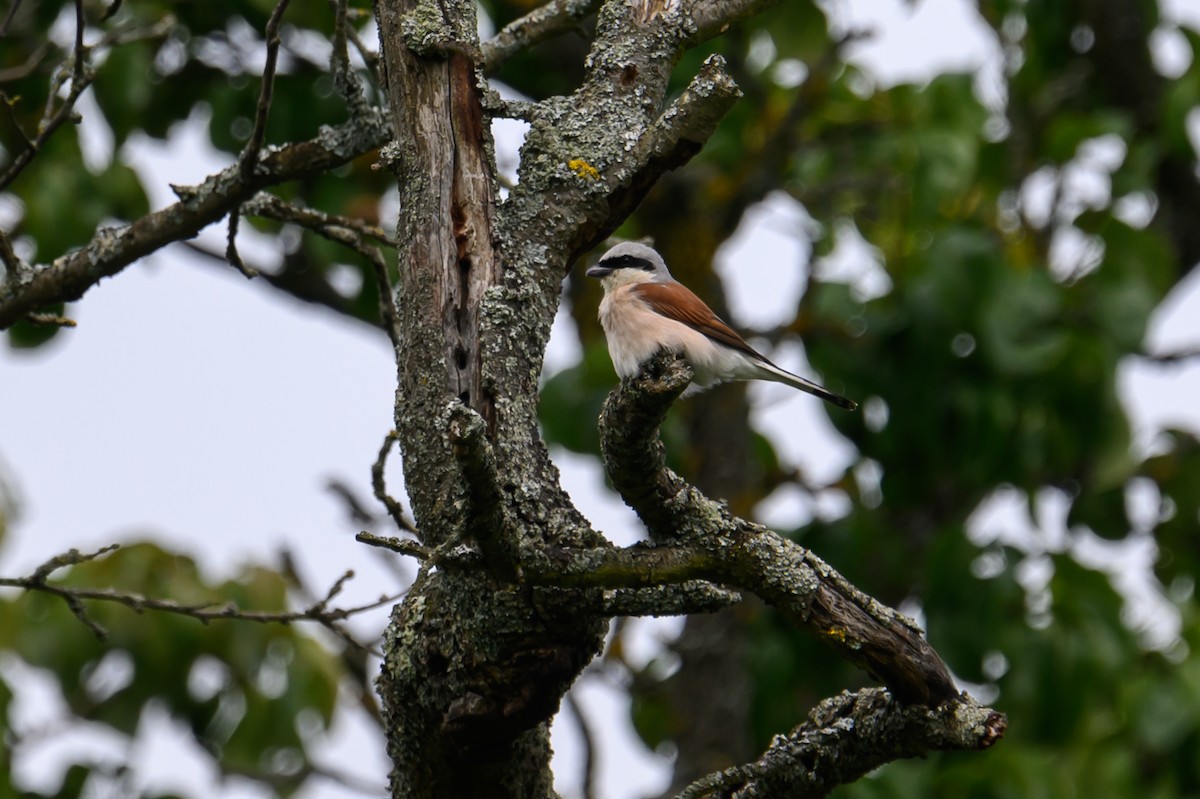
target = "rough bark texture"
x: 845, y: 737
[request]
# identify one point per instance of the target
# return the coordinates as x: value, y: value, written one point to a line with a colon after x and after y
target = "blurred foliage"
x: 254, y: 696
x: 985, y: 349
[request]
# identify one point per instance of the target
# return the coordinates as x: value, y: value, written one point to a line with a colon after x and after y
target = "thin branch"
x: 30, y: 64
x: 14, y: 267
x: 341, y: 229
x: 113, y: 8
x: 77, y: 68
x: 379, y: 485
x: 231, y: 251
x: 13, y: 5
x: 112, y: 249
x: 589, y: 745
x: 679, y: 599
x: 286, y: 781
x: 54, y: 118
x: 349, y: 85
x: 544, y: 22
x: 1173, y: 356
x: 401, y: 546
x: 51, y: 320
x: 388, y: 311
x: 319, y: 611
x: 370, y: 57
x: 311, y: 287
x: 307, y: 285
x: 353, y: 657
x: 248, y: 160
x: 359, y: 514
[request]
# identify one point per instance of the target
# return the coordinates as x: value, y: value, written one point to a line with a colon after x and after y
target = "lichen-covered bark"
x: 845, y: 737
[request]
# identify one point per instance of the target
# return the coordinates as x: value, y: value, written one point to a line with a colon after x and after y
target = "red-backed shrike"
x: 645, y: 309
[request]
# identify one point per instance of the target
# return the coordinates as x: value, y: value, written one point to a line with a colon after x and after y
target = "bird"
x: 645, y: 310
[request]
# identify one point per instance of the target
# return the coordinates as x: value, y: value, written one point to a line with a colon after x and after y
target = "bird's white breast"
x: 635, y: 333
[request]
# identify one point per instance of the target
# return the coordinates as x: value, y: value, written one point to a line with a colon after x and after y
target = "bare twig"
x: 14, y: 267
x: 13, y: 5
x: 319, y: 611
x: 402, y: 546
x: 248, y: 160
x: 26, y: 68
x: 309, y: 285
x: 231, y: 251
x: 53, y: 118
x: 1173, y: 356
x: 51, y: 320
x: 358, y: 512
x: 341, y: 229
x: 354, y: 658
x: 370, y: 57
x: 112, y: 10
x: 286, y: 781
x: 347, y: 82
x: 388, y: 311
x: 378, y: 483
x: 589, y: 745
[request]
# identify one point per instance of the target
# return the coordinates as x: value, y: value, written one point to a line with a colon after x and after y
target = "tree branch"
x: 248, y: 159
x: 113, y: 249
x: 544, y: 22
x: 379, y: 485
x: 342, y: 230
x: 14, y: 267
x: 80, y: 77
x: 847, y: 736
x: 681, y: 599
x: 349, y: 85
x: 708, y: 542
x: 318, y: 611
x: 1173, y: 356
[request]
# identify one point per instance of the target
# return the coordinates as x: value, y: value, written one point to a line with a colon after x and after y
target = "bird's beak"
x: 598, y: 271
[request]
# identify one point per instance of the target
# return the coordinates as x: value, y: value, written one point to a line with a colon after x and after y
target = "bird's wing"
x: 676, y: 301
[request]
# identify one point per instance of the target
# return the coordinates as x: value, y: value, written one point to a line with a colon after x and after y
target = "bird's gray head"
x: 631, y: 262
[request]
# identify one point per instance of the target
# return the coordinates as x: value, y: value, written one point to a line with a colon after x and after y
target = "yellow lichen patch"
x: 583, y: 168
x: 834, y: 632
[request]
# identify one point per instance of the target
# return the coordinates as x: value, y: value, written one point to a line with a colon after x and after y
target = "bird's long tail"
x: 789, y: 379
